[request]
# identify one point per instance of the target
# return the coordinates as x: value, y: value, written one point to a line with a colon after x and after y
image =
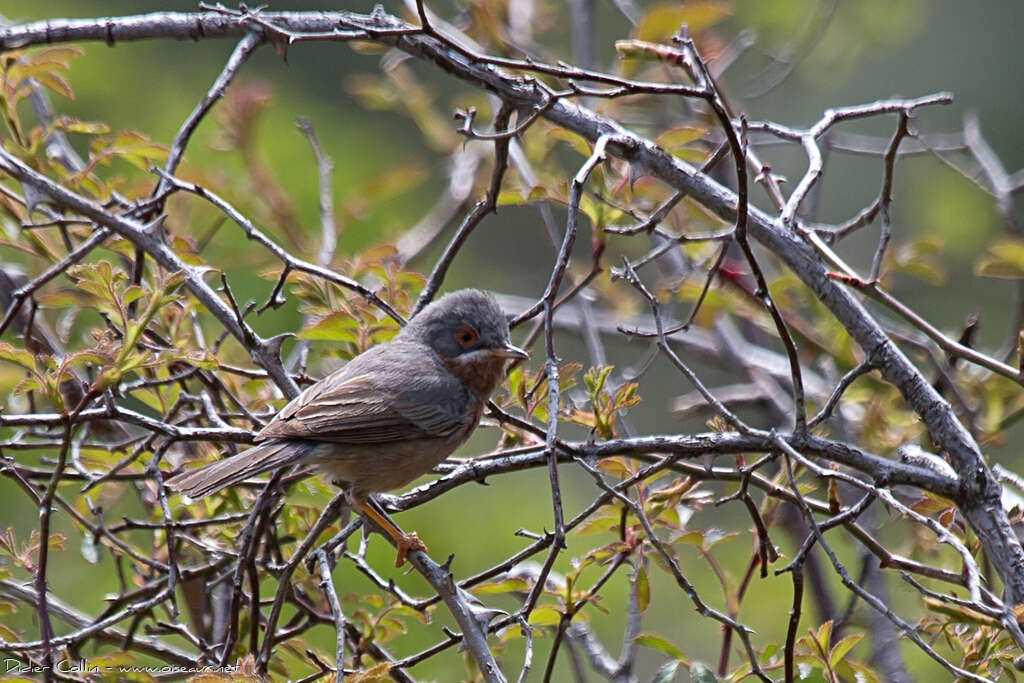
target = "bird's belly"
x: 371, y: 469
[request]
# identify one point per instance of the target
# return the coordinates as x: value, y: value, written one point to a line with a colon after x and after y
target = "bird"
x: 387, y: 416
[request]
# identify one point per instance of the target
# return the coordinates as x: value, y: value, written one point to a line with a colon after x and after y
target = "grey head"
x: 463, y: 324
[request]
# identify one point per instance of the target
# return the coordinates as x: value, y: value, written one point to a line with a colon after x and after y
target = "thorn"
x: 155, y: 228
x: 273, y: 344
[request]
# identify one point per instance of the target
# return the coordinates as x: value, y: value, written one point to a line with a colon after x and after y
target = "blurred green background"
x: 871, y: 49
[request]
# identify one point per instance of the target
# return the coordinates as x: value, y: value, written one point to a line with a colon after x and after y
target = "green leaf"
x: 675, y: 138
x: 596, y: 377
x: 694, y: 536
x: 173, y: 281
x: 17, y: 356
x: 926, y: 271
x: 575, y: 141
x: 10, y: 636
x: 107, y: 378
x: 132, y: 293
x: 506, y: 586
x: 656, y: 642
x: 840, y: 649
x: 334, y: 327
x: 596, y: 525
x: 599, y: 212
x: 73, y: 125
x: 701, y: 673
x: 662, y: 21
x: 112, y: 659
x: 667, y: 672
x: 856, y: 671
x: 510, y: 198
x: 57, y: 300
x: 1005, y: 259
x: 616, y: 466
x: 643, y: 589
x: 56, y: 83
x: 824, y: 635
x: 536, y: 193
x: 137, y: 149
x: 185, y: 248
x: 56, y: 541
x: 960, y: 614
x: 545, y: 615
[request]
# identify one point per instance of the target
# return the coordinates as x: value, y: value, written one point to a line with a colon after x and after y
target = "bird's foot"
x: 406, y: 543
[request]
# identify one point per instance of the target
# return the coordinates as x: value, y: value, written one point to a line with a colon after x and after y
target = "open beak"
x: 510, y: 351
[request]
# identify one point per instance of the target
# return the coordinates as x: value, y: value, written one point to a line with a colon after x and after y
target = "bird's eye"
x: 465, y: 335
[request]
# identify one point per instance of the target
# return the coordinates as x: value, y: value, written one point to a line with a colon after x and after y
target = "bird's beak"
x: 510, y: 351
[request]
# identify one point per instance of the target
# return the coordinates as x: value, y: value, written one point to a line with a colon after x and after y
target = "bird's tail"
x: 261, y: 458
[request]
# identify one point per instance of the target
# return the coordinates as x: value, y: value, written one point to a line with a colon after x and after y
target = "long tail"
x: 256, y: 460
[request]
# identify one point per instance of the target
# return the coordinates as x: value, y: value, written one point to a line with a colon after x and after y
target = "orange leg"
x: 403, y: 541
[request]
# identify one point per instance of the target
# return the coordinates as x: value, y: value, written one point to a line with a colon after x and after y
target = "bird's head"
x: 464, y: 326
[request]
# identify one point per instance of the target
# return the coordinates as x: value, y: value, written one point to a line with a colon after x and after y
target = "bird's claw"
x: 406, y: 543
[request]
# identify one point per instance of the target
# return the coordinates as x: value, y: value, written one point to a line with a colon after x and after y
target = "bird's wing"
x: 392, y: 393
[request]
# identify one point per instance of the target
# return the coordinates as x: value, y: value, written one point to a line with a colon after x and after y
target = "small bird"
x: 387, y: 416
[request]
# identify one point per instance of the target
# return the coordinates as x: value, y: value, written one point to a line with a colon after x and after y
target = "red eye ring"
x: 466, y: 336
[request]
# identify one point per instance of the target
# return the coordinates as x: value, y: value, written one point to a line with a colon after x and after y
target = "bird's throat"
x: 480, y: 371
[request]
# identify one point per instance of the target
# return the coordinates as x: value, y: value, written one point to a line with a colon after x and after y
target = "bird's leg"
x: 403, y: 541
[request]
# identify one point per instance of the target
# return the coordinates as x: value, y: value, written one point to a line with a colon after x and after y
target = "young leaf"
x: 840, y: 649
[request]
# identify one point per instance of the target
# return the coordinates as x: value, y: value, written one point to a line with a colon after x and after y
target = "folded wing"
x: 399, y: 399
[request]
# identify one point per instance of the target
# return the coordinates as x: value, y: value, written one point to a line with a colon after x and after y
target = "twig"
x: 42, y: 590
x: 245, y: 47
x: 327, y: 583
x: 485, y: 206
x: 794, y: 622
x: 253, y: 233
